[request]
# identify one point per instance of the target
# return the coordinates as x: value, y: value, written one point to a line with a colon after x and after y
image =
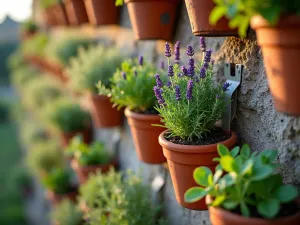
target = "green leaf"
x: 201, y: 175
x: 245, y: 210
x: 235, y: 151
x: 216, y: 14
x: 119, y: 2
x: 247, y: 167
x: 261, y: 173
x: 223, y: 150
x: 227, y: 163
x: 269, y: 208
x: 227, y: 181
x: 245, y: 151
x: 218, y: 200
x: 269, y: 156
x: 232, y: 10
x: 217, y: 159
x: 217, y: 175
x: 210, y: 179
x: 230, y: 204
x: 286, y: 193
x: 194, y: 194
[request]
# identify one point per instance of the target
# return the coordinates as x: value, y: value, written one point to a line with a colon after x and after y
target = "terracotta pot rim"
x: 237, y: 217
x: 190, y: 149
x: 260, y: 22
x: 95, y: 95
x: 140, y: 116
x: 169, y: 1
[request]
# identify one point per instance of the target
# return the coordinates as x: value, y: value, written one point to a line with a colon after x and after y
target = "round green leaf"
x: 194, y: 194
x: 227, y: 163
x: 286, y: 193
x: 235, y: 151
x: 201, y: 175
x: 269, y: 208
x: 223, y: 150
x: 245, y: 151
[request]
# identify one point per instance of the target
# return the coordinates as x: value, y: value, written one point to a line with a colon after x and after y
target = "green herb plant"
x: 29, y: 26
x: 243, y: 181
x: 67, y: 213
x: 36, y: 45
x: 92, y: 65
x: 132, y: 86
x: 22, y: 76
x: 87, y: 155
x: 240, y: 12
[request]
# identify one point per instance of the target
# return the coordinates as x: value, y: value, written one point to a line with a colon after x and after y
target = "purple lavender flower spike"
x: 158, y: 81
x: 162, y: 65
x: 226, y: 86
x: 191, y: 69
x: 177, y: 51
x: 191, y: 62
x: 218, y: 96
x: 177, y: 93
x: 203, y: 72
x: 124, y: 75
x: 197, y: 80
x: 189, y: 91
x: 184, y: 70
x: 202, y: 44
x: 212, y: 62
x: 190, y: 51
x: 207, y: 57
x: 168, y: 84
x: 170, y: 71
x: 167, y: 50
x: 158, y: 94
x: 141, y: 60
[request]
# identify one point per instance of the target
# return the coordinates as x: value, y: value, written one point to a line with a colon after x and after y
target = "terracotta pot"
x: 61, y: 15
x: 57, y: 198
x: 76, y: 12
x: 83, y: 172
x: 49, y: 16
x: 281, y: 48
x: 219, y: 216
x: 145, y: 136
x: 184, y: 159
x: 87, y: 136
x: 152, y: 19
x: 103, y: 113
x: 102, y: 12
x: 199, y: 11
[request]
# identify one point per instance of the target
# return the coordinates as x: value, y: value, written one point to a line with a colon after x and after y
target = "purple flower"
x: 190, y: 51
x: 189, y: 90
x: 207, y: 57
x: 177, y: 93
x: 141, y: 60
x: 197, y: 80
x: 203, y: 72
x: 158, y: 81
x: 167, y: 50
x: 212, y: 62
x: 135, y: 73
x: 170, y: 71
x: 124, y: 75
x: 158, y: 94
x: 226, y: 86
x: 168, y: 83
x: 162, y: 65
x: 191, y: 69
x: 218, y: 96
x: 184, y: 70
x: 202, y: 44
x: 177, y: 51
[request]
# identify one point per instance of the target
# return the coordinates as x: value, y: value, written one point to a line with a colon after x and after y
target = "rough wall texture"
x: 256, y: 122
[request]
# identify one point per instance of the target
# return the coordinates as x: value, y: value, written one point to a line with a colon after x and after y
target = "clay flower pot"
x: 102, y: 12
x: 103, y: 113
x: 281, y: 49
x: 61, y: 15
x: 86, y: 134
x: 145, y: 136
x: 83, y: 172
x: 57, y: 198
x: 76, y: 12
x: 219, y: 216
x: 199, y: 11
x: 152, y: 19
x: 49, y: 16
x: 184, y: 159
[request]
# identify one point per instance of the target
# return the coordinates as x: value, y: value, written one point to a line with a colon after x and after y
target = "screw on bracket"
x: 233, y: 74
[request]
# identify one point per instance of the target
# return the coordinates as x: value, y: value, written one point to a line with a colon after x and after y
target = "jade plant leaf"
x: 235, y: 151
x: 223, y: 150
x: 194, y: 194
x: 245, y: 151
x: 201, y: 175
x: 286, y: 193
x: 269, y: 208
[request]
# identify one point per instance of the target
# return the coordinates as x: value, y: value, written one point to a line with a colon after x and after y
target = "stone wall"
x: 256, y: 121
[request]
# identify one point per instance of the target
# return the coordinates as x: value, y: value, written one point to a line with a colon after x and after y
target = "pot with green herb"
x: 48, y: 13
x: 88, y: 159
x: 132, y: 87
x: 93, y: 65
x: 277, y: 25
x: 190, y: 105
x: 28, y: 29
x: 245, y: 189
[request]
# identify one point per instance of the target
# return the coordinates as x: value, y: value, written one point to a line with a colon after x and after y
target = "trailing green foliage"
x: 92, y: 65
x: 126, y: 200
x: 58, y: 180
x: 67, y: 116
x: 243, y: 180
x: 87, y: 155
x: 63, y: 49
x: 29, y: 26
x: 35, y: 45
x: 66, y: 213
x: 240, y: 12
x: 132, y: 86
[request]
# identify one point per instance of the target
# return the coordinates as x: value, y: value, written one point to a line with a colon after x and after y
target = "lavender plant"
x: 132, y: 85
x: 190, y: 104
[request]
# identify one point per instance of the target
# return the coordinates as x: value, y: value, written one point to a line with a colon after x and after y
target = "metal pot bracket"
x: 233, y: 74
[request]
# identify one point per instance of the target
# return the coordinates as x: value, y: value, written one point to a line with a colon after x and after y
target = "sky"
x: 18, y: 10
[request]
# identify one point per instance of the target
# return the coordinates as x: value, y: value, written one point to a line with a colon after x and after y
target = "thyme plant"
x: 190, y: 103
